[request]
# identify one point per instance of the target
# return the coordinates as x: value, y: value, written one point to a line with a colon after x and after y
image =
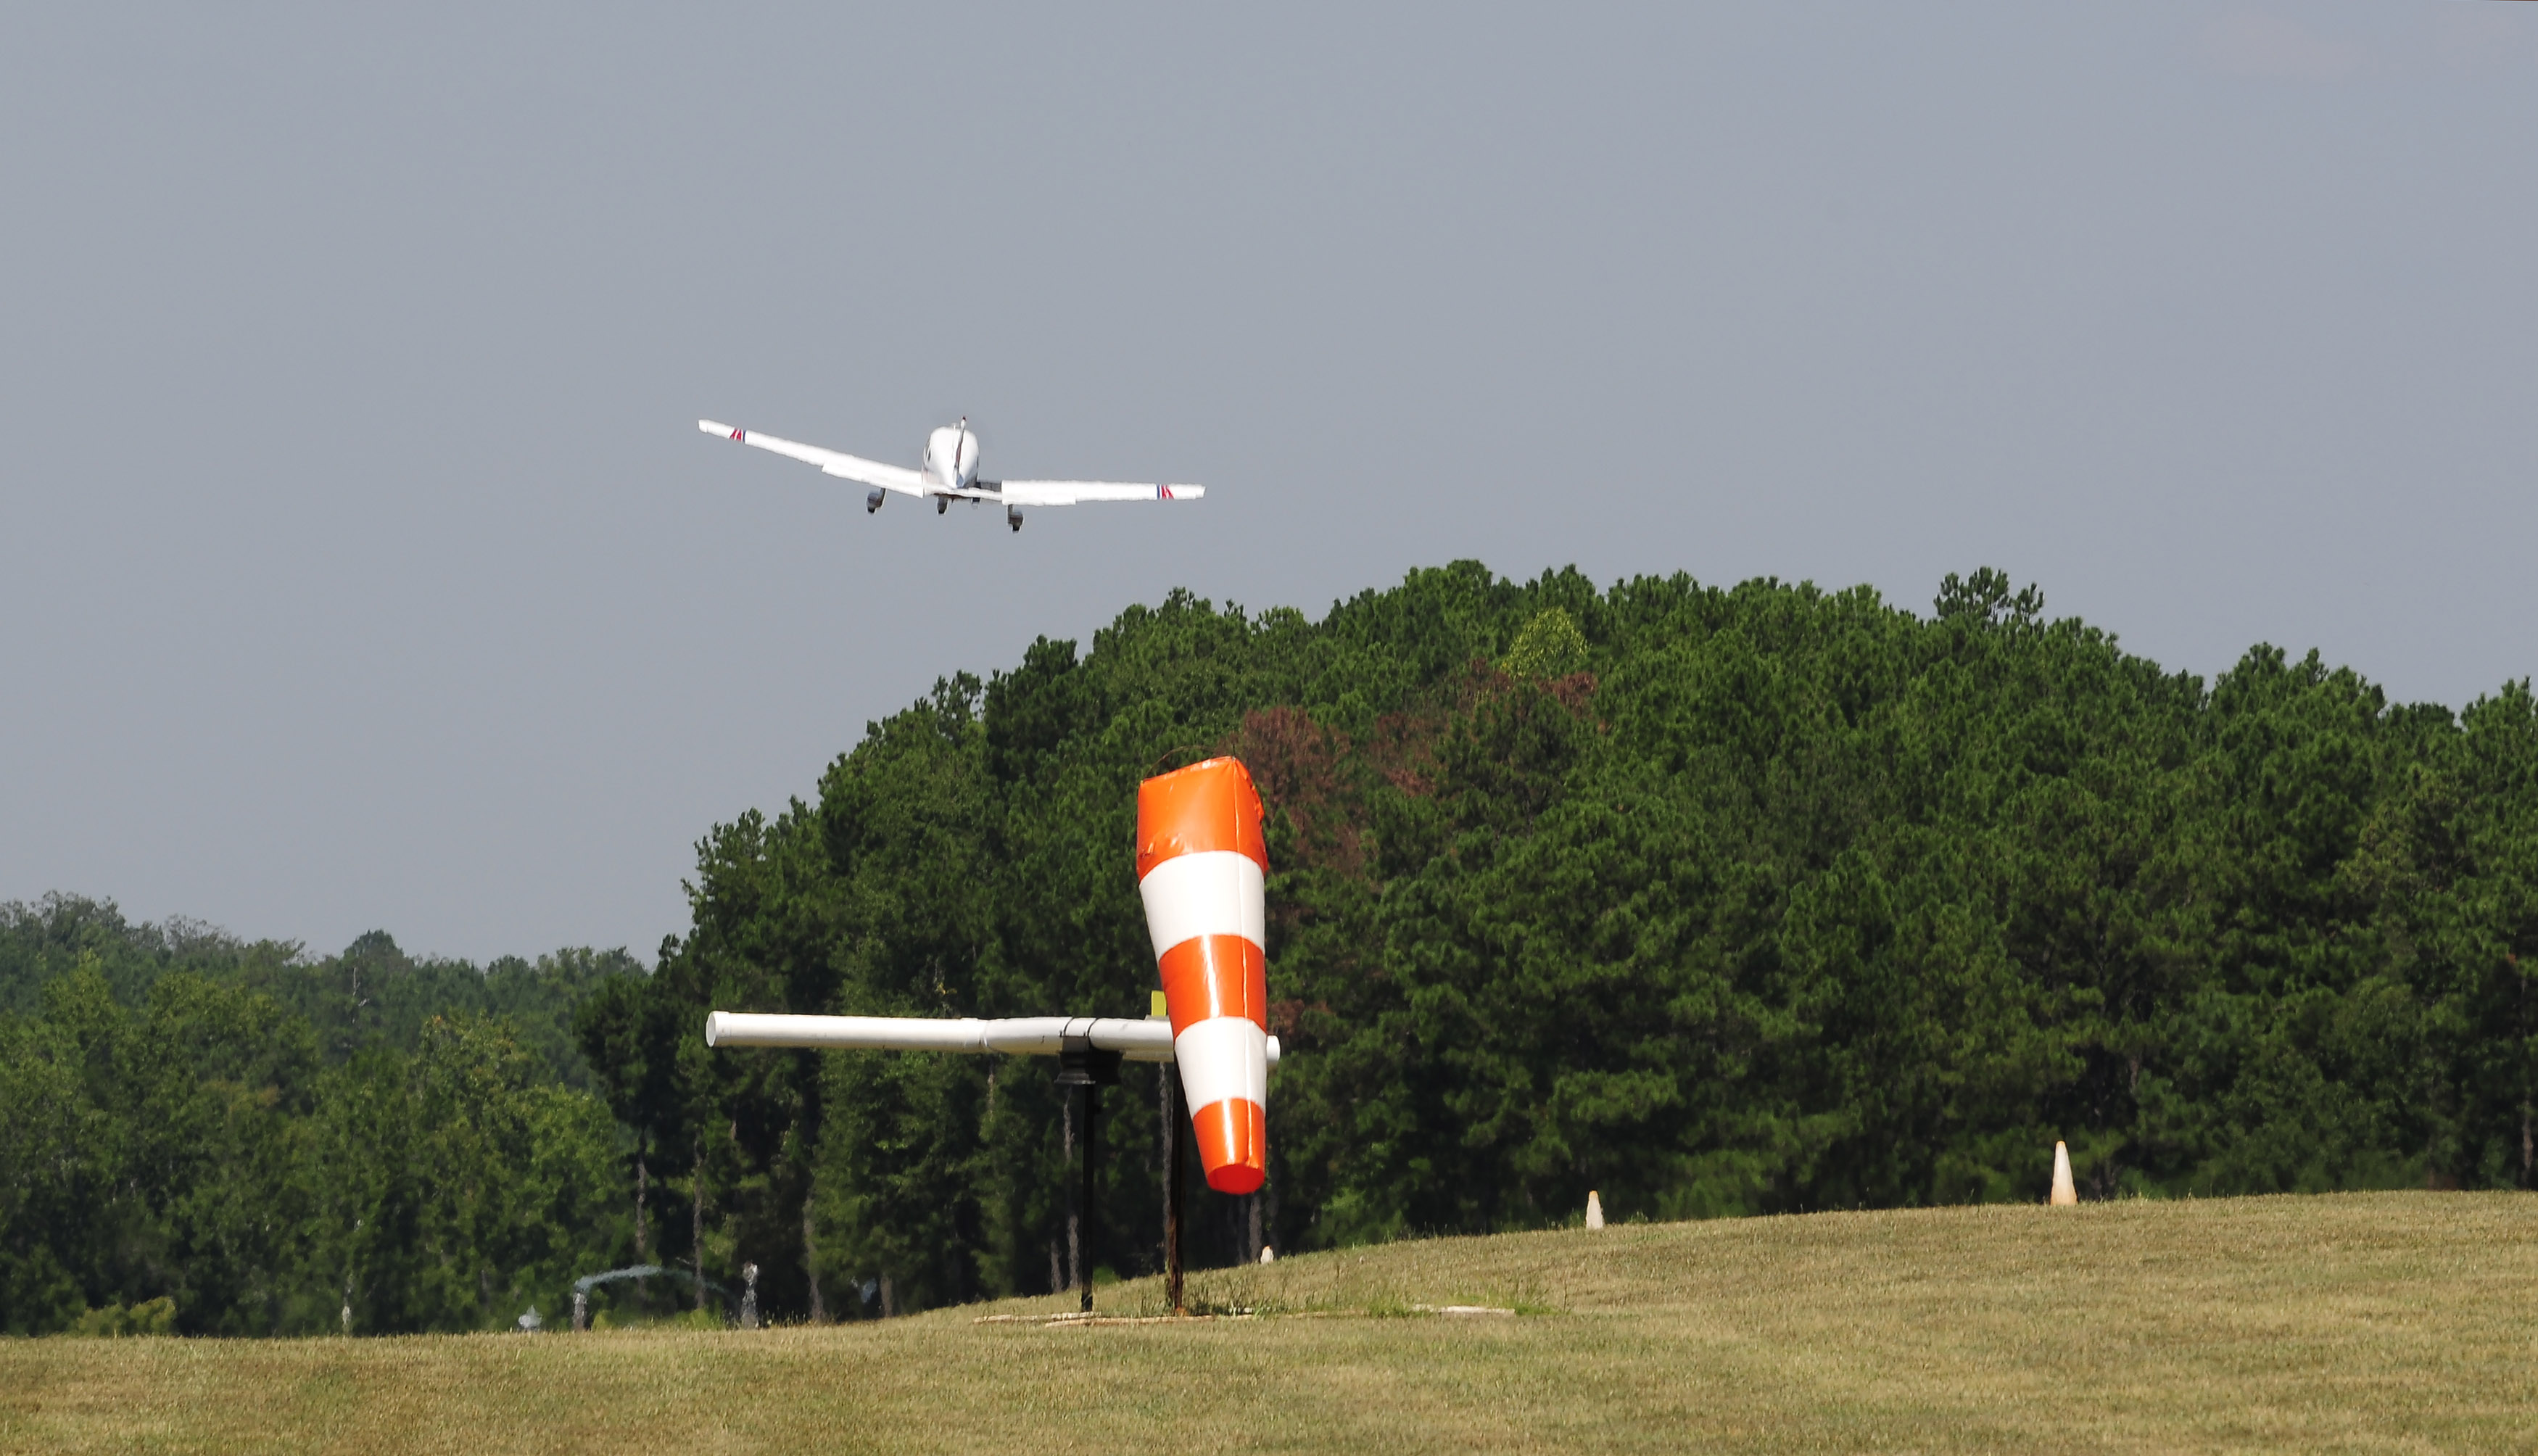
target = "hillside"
x: 2337, y: 1323
x: 1721, y: 900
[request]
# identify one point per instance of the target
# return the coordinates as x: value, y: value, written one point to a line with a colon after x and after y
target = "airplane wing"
x: 1072, y: 492
x: 830, y: 462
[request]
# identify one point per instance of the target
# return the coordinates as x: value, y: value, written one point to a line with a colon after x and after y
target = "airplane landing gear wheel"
x: 942, y: 504
x: 1013, y: 518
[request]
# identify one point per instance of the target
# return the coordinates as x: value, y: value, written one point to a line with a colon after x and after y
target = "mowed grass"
x: 2366, y: 1323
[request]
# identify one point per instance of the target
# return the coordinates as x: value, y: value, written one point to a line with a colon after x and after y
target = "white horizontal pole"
x: 1143, y: 1040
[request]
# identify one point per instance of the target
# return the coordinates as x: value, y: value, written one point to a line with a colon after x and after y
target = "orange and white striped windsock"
x: 1201, y: 864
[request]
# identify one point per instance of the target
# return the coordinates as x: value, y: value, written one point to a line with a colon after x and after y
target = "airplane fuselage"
x: 951, y: 457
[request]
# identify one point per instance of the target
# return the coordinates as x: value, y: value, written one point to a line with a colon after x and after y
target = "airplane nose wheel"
x: 942, y: 504
x: 1013, y: 519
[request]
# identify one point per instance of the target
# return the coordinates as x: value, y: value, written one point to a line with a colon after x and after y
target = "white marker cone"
x: 1268, y: 1255
x: 2064, y: 1191
x: 1594, y: 1209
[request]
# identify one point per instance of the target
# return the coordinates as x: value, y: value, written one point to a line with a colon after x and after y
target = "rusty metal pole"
x: 1174, y: 1140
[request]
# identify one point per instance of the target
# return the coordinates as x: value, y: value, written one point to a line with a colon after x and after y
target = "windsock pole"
x: 1091, y: 1067
x: 1085, y: 1200
x: 1173, y: 1141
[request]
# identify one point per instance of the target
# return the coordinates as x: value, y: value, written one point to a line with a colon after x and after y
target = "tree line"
x: 206, y: 1136
x: 1717, y: 901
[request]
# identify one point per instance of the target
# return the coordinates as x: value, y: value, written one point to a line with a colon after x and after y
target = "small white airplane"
x: 950, y: 473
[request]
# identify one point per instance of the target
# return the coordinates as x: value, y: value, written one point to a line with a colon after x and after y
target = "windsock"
x: 1201, y: 861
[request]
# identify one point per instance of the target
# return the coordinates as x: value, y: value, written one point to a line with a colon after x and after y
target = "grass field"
x: 2365, y: 1323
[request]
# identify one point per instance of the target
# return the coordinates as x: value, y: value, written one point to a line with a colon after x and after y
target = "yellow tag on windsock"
x: 1155, y: 1010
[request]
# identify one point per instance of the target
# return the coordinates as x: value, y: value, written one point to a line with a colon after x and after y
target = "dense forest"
x: 1717, y: 901
x: 234, y: 1137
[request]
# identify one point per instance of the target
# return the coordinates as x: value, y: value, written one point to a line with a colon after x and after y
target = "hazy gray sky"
x: 365, y: 567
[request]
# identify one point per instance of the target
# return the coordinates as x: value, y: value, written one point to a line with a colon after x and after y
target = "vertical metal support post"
x: 1174, y: 1137
x: 1092, y: 1137
x: 1071, y: 1110
x: 1081, y: 1064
